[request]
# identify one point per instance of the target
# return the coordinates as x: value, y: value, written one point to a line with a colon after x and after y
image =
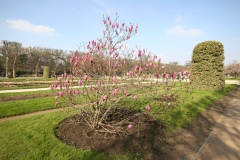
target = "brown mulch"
x: 182, y: 144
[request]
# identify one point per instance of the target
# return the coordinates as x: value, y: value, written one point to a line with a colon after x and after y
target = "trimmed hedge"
x: 207, y: 68
x: 46, y: 72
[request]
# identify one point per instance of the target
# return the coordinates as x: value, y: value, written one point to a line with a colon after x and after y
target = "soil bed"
x: 142, y: 138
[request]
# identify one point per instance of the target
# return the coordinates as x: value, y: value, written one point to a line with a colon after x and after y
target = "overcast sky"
x: 168, y: 28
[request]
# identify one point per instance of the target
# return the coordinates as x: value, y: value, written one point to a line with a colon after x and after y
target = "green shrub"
x: 207, y: 66
x: 46, y: 72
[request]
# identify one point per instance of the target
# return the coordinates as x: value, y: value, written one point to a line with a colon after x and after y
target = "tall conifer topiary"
x: 207, y: 66
x: 46, y: 72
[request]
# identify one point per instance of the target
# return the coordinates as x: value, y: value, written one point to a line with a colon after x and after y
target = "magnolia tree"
x: 233, y: 69
x: 108, y: 73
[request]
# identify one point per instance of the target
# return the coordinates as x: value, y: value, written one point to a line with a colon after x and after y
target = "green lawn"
x: 13, y: 108
x: 2, y: 95
x: 33, y: 137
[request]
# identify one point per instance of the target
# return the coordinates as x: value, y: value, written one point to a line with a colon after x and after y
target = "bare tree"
x: 5, y: 53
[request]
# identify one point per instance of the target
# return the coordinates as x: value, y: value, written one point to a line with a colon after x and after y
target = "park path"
x: 223, y: 143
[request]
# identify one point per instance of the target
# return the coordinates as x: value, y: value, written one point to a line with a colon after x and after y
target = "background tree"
x: 233, y: 69
x: 207, y: 68
x: 6, y: 52
x: 15, y: 51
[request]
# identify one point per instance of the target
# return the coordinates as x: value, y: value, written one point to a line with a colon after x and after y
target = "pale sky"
x: 168, y: 28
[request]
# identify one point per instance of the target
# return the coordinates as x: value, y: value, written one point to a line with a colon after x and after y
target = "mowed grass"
x: 33, y: 137
x: 13, y: 108
x: 2, y: 95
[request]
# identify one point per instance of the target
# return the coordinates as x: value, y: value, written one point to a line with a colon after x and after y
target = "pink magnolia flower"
x: 99, y: 84
x: 136, y: 68
x: 139, y: 53
x: 60, y: 94
x: 167, y: 76
x: 115, y: 80
x: 129, y: 74
x: 90, y: 88
x: 71, y: 91
x: 71, y: 59
x: 164, y: 97
x: 135, y: 97
x: 56, y: 97
x: 125, y: 92
x: 129, y: 127
x: 169, y: 104
x: 148, y: 108
x: 80, y: 82
x: 56, y: 103
x: 85, y: 77
x: 163, y: 67
x: 150, y: 64
x: 117, y: 24
x: 140, y: 70
x: 105, y: 97
x: 116, y: 91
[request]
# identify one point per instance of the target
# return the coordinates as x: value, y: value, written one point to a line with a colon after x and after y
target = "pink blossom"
x: 163, y: 67
x: 140, y: 70
x: 99, y: 84
x: 105, y: 97
x: 159, y: 60
x: 80, y: 82
x: 117, y: 24
x: 129, y: 127
x: 125, y: 92
x: 71, y: 59
x: 167, y: 76
x: 85, y: 77
x: 139, y: 53
x: 59, y: 79
x: 164, y: 97
x: 56, y: 103
x: 115, y: 80
x: 135, y: 97
x: 60, y: 94
x: 148, y: 108
x: 150, y: 64
x: 169, y: 104
x: 123, y: 24
x: 71, y: 91
x: 136, y: 68
x: 187, y: 90
x: 90, y: 88
x: 129, y: 74
x: 116, y: 91
x: 56, y: 97
x: 136, y: 25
